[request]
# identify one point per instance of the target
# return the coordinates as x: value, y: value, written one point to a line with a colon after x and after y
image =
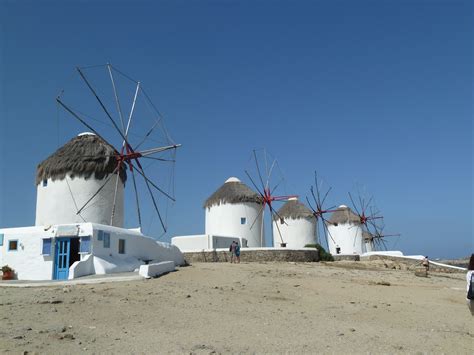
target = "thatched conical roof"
x: 233, y: 191
x: 83, y: 156
x: 294, y: 209
x: 344, y: 214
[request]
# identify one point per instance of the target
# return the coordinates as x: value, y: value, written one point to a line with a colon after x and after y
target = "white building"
x: 297, y: 225
x: 68, y: 251
x: 234, y: 211
x: 368, y: 242
x: 66, y: 244
x: 345, y: 232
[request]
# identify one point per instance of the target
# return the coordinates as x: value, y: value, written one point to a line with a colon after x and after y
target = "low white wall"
x: 83, y: 267
x: 192, y: 242
x: 111, y: 264
x: 200, y: 242
x: 154, y: 270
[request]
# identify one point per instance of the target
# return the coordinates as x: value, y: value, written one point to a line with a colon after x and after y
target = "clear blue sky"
x: 369, y: 93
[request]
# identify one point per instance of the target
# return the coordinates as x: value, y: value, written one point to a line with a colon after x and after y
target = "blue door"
x: 61, y: 261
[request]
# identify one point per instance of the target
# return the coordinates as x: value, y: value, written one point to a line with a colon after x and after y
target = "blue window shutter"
x: 1, y: 239
x: 46, y: 246
x: 85, y: 246
x: 106, y: 240
x: 100, y: 235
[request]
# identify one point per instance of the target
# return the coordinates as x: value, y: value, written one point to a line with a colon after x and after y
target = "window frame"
x: 243, y: 221
x: 83, y: 240
x: 121, y: 243
x: 17, y: 244
x: 50, y: 246
x: 106, y: 241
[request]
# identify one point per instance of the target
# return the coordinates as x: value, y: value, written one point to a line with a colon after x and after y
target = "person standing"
x: 232, y: 251
x: 237, y: 252
x: 470, y: 283
x: 426, y: 264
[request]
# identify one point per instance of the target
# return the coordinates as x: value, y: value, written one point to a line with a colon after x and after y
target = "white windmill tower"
x: 234, y: 210
x: 345, y: 229
x: 296, y: 223
x: 72, y: 176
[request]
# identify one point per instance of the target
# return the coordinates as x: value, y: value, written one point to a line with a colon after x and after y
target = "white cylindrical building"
x: 234, y: 211
x: 296, y: 223
x: 368, y: 241
x: 72, y: 175
x: 345, y: 232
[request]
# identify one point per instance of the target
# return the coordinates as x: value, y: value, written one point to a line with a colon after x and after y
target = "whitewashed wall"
x: 192, y: 242
x: 369, y: 246
x: 347, y: 236
x: 224, y: 220
x: 27, y: 261
x: 136, y: 245
x: 56, y: 202
x: 296, y: 233
x: 200, y: 242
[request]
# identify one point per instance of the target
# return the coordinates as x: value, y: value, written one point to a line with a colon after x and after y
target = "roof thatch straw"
x: 82, y: 156
x: 294, y: 209
x: 344, y: 215
x: 232, y: 192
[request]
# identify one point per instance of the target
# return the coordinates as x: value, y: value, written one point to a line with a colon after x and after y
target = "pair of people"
x: 235, y: 252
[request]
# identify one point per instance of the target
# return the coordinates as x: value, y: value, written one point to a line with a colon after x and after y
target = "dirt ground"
x: 246, y: 308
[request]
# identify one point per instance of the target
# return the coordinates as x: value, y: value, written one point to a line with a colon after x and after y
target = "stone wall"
x: 393, y: 262
x: 347, y: 257
x: 264, y: 255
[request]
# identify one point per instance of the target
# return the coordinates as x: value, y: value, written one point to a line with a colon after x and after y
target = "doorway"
x: 67, y: 252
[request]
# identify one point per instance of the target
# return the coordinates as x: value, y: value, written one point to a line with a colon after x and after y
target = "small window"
x: 46, y: 246
x: 282, y: 221
x: 45, y: 182
x: 1, y: 240
x: 12, y: 245
x: 85, y: 246
x: 243, y: 220
x: 100, y: 235
x: 121, y: 246
x: 106, y: 240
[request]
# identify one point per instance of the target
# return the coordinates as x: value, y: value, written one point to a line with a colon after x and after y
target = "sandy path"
x: 246, y: 308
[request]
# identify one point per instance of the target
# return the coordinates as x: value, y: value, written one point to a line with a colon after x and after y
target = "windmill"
x: 265, y: 167
x: 118, y: 110
x: 371, y: 221
x: 319, y: 210
x: 379, y: 236
x: 362, y: 208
